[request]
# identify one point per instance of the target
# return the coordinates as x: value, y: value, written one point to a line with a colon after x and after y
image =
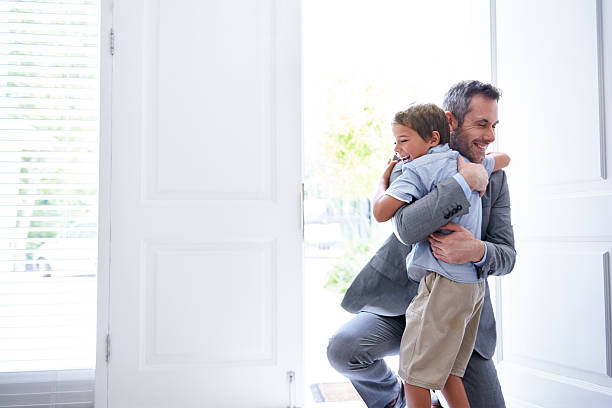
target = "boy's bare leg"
x: 454, y: 393
x: 417, y: 397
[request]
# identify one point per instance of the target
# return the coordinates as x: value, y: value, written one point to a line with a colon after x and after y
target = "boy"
x: 442, y: 319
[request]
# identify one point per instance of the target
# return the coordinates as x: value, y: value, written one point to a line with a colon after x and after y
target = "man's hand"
x: 474, y: 174
x: 458, y: 247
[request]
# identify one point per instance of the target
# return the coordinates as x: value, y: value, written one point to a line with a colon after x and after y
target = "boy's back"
x: 418, y: 178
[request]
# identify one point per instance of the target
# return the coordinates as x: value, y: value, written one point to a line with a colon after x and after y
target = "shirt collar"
x: 439, y: 148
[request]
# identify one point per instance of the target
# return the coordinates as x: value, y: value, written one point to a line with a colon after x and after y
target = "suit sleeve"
x: 499, y: 237
x: 414, y: 222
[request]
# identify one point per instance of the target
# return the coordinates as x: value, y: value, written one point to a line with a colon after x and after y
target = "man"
x: 382, y: 291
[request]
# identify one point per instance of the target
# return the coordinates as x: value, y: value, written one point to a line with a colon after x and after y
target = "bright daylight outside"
x: 364, y: 61
x: 49, y: 105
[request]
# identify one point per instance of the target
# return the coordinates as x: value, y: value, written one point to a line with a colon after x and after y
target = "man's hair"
x: 424, y: 119
x: 457, y: 99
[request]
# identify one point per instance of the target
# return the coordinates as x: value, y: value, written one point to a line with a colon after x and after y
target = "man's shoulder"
x: 497, y: 183
x: 498, y: 177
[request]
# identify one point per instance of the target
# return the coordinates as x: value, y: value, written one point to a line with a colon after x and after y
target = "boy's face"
x: 408, y: 144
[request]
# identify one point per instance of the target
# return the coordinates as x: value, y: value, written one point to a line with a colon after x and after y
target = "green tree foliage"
x: 352, y: 153
x: 355, y: 150
x: 341, y: 275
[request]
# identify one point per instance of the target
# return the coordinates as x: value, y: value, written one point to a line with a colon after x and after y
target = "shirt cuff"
x: 484, y: 258
x: 464, y: 185
x: 407, y: 198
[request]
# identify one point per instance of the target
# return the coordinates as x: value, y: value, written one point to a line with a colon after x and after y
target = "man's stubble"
x: 460, y: 141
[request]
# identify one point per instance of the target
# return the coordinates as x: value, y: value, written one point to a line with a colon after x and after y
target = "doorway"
x: 361, y: 64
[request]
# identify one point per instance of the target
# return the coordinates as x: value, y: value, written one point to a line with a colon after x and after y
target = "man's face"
x: 408, y: 144
x: 478, y: 129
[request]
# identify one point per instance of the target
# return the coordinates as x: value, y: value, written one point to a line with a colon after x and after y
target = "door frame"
x: 104, y: 203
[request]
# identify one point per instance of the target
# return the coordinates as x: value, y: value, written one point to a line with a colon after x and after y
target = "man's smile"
x: 482, y: 147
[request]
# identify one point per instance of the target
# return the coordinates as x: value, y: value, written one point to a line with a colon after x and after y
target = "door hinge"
x: 112, y: 42
x: 302, y: 209
x: 291, y: 384
x: 108, y: 350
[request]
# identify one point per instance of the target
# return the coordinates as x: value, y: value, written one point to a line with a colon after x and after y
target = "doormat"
x: 334, y: 392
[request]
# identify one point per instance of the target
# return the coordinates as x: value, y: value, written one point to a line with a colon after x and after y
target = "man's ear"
x: 452, y: 121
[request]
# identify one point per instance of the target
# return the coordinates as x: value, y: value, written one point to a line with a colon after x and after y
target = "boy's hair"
x: 457, y: 99
x: 424, y: 119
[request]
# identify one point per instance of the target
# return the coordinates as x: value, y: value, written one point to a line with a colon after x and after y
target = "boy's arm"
x: 384, y: 205
x: 501, y: 160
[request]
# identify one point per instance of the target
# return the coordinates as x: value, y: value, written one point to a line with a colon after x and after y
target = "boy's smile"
x: 408, y: 144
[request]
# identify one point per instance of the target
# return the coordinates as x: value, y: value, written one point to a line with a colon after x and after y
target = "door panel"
x: 205, y: 256
x: 556, y: 306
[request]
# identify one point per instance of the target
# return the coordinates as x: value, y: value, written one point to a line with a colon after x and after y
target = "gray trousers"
x: 357, y: 349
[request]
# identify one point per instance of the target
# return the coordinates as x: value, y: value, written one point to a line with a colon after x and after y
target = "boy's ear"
x: 452, y: 121
x: 435, y: 138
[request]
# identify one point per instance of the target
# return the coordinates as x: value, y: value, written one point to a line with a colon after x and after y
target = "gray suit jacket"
x: 383, y: 287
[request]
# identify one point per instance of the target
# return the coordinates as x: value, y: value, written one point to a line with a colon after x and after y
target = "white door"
x: 553, y: 59
x: 205, y: 224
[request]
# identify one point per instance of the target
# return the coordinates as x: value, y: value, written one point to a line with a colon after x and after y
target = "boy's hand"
x: 474, y: 174
x: 458, y: 247
x: 387, y: 173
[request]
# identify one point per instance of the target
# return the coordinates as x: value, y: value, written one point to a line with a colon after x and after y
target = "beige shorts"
x: 441, y: 325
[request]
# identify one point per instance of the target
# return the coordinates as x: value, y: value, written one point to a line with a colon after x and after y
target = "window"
x: 49, y: 104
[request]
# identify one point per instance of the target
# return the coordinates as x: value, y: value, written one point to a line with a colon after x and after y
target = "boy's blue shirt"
x: 418, y: 178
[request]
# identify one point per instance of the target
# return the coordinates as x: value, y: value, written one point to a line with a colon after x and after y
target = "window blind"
x: 49, y: 104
